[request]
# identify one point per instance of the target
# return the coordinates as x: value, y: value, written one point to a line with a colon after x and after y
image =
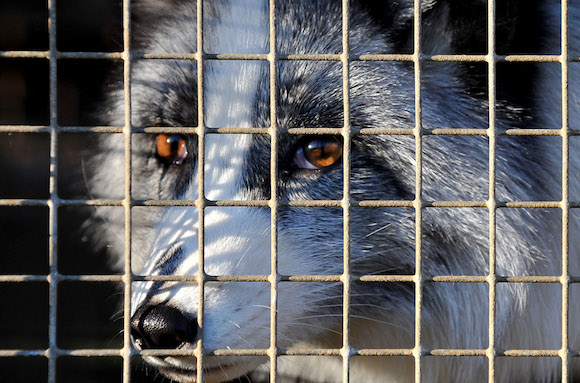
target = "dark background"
x: 89, y: 314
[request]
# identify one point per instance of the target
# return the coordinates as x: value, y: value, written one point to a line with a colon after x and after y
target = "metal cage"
x: 492, y: 204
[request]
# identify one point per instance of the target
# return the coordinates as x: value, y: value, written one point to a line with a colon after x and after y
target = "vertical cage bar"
x: 53, y: 202
x: 274, y: 277
x: 565, y: 279
x: 417, y: 203
x: 127, y: 201
x: 491, y: 203
x: 201, y: 201
x: 345, y: 203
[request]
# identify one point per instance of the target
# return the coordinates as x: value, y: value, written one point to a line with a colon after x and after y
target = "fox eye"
x: 318, y: 153
x: 171, y: 149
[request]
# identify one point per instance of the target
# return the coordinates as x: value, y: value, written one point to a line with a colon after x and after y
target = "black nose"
x: 161, y: 327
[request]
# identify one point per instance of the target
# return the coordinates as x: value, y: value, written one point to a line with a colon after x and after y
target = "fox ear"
x: 466, y: 22
x: 449, y: 26
x: 151, y: 9
x: 146, y: 15
x: 396, y: 19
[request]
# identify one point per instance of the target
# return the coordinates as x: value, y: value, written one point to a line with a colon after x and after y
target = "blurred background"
x: 89, y: 314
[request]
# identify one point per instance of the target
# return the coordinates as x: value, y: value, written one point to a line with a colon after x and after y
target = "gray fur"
x: 164, y: 93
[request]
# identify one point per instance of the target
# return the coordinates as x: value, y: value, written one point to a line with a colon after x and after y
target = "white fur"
x: 230, y: 87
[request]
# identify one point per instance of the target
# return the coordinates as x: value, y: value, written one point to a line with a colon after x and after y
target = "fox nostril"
x: 161, y: 327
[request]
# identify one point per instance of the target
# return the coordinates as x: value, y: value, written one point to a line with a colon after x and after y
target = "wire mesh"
x: 418, y: 352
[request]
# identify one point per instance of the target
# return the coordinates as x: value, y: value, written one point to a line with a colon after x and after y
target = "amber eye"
x: 318, y: 153
x: 171, y: 148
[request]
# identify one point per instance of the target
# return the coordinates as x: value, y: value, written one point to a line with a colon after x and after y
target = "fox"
x: 310, y: 94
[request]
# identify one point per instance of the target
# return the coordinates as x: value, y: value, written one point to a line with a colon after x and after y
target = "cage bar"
x: 23, y: 278
x: 418, y: 203
x: 295, y: 131
x: 53, y: 202
x: 201, y: 201
x: 492, y: 205
x: 515, y: 353
x: 346, y: 351
x: 296, y: 203
x: 273, y: 203
x: 127, y: 201
x: 290, y: 57
x: 565, y: 279
x: 274, y: 132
